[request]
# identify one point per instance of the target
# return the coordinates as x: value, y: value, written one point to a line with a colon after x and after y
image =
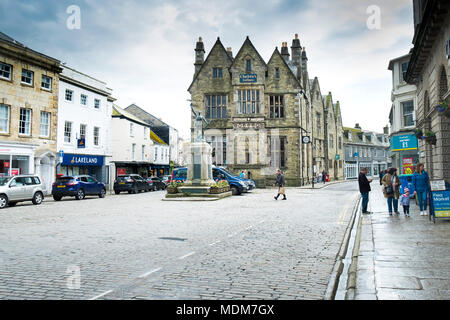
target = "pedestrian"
x: 249, y: 175
x: 364, y: 189
x: 382, y: 173
x: 391, y: 189
x: 324, y: 176
x: 280, y: 184
x: 421, y: 182
x: 404, y: 201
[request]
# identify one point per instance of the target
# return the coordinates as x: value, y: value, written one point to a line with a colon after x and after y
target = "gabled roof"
x: 247, y: 42
x: 145, y: 116
x: 220, y: 45
x: 277, y: 53
x: 118, y: 112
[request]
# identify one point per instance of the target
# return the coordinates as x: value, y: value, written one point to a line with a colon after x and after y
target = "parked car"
x: 133, y: 183
x: 166, y: 179
x: 151, y: 186
x: 21, y: 188
x: 78, y: 187
x: 237, y: 185
x: 158, y: 183
x: 249, y: 182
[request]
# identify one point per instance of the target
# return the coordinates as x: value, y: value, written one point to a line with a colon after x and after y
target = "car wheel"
x: 234, y: 191
x: 38, y: 198
x: 3, y: 201
x: 12, y: 204
x: 116, y: 192
x: 80, y: 195
x: 57, y: 198
x: 135, y: 190
x: 102, y: 193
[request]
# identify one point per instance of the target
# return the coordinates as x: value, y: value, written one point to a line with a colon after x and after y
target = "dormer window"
x: 217, y: 73
x: 248, y: 65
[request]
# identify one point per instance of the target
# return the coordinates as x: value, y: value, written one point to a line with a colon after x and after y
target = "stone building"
x: 260, y: 112
x: 29, y: 84
x: 365, y: 149
x: 334, y: 149
x: 428, y: 69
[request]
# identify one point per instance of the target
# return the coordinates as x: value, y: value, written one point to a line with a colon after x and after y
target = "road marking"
x: 186, y: 255
x: 101, y: 295
x: 149, y: 273
x: 344, y: 211
x: 214, y: 243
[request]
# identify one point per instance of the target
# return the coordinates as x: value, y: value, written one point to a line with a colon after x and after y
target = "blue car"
x: 237, y: 185
x: 78, y: 187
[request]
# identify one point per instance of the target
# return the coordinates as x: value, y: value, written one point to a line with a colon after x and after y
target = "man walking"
x: 364, y: 188
x: 280, y: 183
x: 324, y: 176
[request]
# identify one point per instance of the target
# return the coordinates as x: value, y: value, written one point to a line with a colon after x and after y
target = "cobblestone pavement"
x: 402, y: 257
x: 139, y: 247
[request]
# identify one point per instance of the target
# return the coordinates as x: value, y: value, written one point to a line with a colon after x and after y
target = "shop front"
x: 159, y: 170
x: 405, y: 155
x: 16, y: 159
x: 133, y: 167
x: 80, y: 164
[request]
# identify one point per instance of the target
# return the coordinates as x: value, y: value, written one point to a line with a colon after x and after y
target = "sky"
x: 144, y: 50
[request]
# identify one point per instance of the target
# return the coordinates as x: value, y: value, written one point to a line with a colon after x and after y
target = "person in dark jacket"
x: 280, y: 184
x: 382, y: 173
x: 364, y: 189
x: 421, y: 182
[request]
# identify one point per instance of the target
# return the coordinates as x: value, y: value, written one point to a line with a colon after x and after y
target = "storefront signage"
x: 337, y: 157
x: 306, y: 139
x: 15, y: 172
x: 81, y: 143
x: 6, y: 164
x: 441, y: 202
x: 437, y: 185
x: 404, y: 142
x: 82, y: 160
x: 408, y: 167
x: 248, y: 78
x: 121, y: 171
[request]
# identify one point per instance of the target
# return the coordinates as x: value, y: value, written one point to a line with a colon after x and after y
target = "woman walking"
x: 391, y: 189
x: 421, y: 182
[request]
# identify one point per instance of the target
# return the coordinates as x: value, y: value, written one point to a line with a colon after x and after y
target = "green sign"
x: 404, y: 142
x: 337, y: 157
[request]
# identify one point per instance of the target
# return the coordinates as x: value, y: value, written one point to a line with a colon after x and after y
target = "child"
x: 404, y: 200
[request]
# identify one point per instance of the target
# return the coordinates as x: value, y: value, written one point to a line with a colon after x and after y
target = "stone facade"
x: 429, y: 70
x: 15, y: 95
x: 260, y: 111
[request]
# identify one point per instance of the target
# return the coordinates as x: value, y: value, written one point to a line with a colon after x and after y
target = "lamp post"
x: 312, y: 143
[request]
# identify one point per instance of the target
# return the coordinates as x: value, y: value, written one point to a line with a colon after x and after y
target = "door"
x: 93, y: 186
x: 141, y: 183
x: 84, y: 184
x: 29, y: 187
x: 16, y: 189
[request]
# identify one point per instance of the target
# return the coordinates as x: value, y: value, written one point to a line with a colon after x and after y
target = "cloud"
x: 144, y: 50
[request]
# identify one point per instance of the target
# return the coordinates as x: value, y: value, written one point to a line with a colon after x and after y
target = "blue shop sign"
x: 81, y: 143
x: 404, y: 142
x: 248, y: 78
x: 441, y: 202
x: 82, y: 160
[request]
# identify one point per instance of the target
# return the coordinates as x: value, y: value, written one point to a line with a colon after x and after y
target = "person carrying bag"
x: 280, y: 184
x: 391, y: 189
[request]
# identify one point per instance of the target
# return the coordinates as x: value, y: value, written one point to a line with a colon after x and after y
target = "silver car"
x: 21, y: 188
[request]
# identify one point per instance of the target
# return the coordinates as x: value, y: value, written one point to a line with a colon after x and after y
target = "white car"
x: 21, y: 188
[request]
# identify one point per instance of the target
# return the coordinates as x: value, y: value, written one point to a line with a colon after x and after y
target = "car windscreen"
x: 123, y: 178
x: 180, y: 173
x: 4, y: 180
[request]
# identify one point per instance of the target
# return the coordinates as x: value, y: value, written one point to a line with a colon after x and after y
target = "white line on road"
x: 149, y: 273
x: 101, y: 295
x: 249, y: 227
x: 186, y: 255
x: 214, y: 243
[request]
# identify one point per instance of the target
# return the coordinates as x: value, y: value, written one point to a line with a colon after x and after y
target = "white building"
x: 402, y: 118
x: 136, y: 149
x: 84, y: 125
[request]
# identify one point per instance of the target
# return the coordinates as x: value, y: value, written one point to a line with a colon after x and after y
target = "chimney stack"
x: 304, y: 60
x: 386, y: 130
x: 199, y: 55
x: 230, y: 52
x: 285, y: 51
x: 296, y: 50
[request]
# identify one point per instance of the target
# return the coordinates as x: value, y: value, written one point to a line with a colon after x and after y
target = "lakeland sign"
x: 82, y: 160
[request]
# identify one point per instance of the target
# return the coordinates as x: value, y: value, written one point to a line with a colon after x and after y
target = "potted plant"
x: 219, y: 187
x: 444, y: 108
x: 173, y: 187
x: 214, y: 188
x: 418, y: 133
x: 430, y: 137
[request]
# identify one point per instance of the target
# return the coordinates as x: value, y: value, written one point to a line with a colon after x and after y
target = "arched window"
x: 443, y: 84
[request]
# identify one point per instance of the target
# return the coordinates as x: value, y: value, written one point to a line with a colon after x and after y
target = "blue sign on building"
x: 81, y: 143
x: 82, y: 160
x: 441, y: 202
x: 248, y: 78
x: 404, y: 142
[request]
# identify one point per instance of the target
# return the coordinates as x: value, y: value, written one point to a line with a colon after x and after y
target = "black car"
x: 158, y: 183
x: 133, y: 183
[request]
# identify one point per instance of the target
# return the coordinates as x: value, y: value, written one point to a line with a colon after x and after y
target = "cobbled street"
x: 140, y: 247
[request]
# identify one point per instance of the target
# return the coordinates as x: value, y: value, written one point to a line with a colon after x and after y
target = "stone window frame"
x: 252, y: 97
x: 248, y: 65
x: 277, y: 73
x: 211, y: 106
x: 278, y: 156
x: 3, y: 71
x: 217, y: 73
x: 8, y: 118
x: 25, y: 121
x: 49, y: 83
x: 28, y: 75
x: 273, y: 106
x: 46, y: 125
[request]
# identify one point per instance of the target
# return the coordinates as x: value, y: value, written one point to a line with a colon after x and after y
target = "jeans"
x: 406, y: 209
x: 422, y: 199
x: 365, y: 201
x: 390, y: 201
